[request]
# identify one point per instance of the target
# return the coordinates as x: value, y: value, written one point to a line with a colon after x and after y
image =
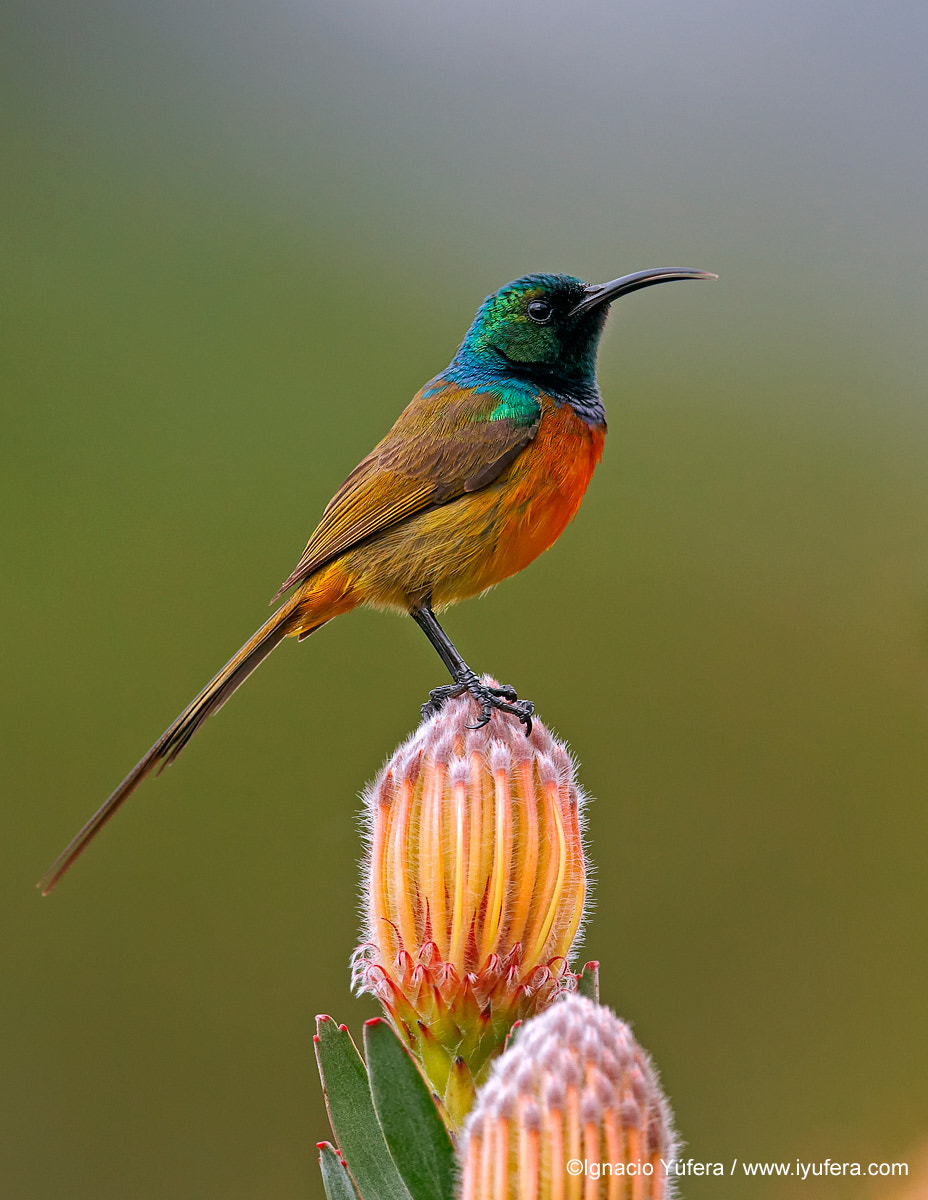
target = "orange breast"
x: 544, y: 487
x: 491, y: 534
x: 462, y: 548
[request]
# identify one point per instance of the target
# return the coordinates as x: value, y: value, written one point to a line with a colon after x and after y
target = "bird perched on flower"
x: 479, y: 474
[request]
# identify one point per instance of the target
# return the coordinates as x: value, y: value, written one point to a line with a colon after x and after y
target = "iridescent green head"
x: 528, y: 324
x: 547, y: 327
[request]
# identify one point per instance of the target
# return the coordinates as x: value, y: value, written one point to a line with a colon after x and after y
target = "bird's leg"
x: 465, y: 680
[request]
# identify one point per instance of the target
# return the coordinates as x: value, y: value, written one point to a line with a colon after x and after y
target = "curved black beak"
x: 604, y: 293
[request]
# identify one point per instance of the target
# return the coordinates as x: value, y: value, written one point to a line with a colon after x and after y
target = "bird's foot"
x: 503, y: 698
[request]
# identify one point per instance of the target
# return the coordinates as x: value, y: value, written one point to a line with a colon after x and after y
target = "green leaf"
x: 588, y: 983
x: 335, y: 1177
x: 351, y: 1113
x: 417, y: 1137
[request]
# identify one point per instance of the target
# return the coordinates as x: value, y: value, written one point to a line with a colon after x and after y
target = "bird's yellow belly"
x: 462, y: 548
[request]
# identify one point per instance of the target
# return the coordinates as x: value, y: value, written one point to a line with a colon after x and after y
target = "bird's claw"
x: 504, y: 698
x: 438, y: 696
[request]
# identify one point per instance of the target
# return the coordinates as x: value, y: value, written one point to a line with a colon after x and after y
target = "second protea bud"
x: 573, y: 1111
x: 474, y: 891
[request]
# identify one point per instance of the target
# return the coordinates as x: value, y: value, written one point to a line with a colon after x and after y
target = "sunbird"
x: 481, y: 472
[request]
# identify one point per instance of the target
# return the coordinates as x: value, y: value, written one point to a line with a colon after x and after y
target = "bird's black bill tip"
x: 604, y: 293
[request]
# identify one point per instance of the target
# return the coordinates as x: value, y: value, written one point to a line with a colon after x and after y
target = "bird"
x: 481, y: 472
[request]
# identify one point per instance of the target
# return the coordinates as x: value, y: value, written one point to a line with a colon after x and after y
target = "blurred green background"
x: 237, y: 238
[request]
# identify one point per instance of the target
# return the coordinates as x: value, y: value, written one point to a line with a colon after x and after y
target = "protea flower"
x: 572, y: 1110
x: 474, y: 889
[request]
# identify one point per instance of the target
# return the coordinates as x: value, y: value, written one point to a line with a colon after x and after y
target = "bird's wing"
x: 448, y: 441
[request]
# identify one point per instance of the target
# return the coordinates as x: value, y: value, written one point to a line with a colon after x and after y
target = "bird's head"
x: 548, y: 326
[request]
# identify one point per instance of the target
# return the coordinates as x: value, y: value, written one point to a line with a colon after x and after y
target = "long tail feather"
x: 173, y: 740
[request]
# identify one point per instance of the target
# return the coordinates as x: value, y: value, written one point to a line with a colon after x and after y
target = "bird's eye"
x: 540, y: 311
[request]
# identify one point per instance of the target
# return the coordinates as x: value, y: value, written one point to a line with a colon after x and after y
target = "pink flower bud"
x: 474, y: 889
x: 572, y: 1111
